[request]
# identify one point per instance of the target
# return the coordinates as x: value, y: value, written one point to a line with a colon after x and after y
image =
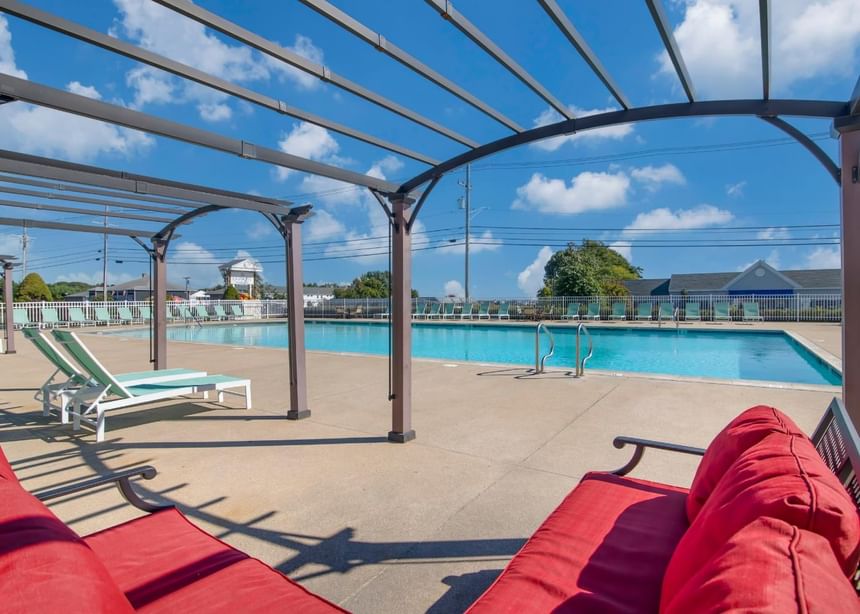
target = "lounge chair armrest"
x: 639, y: 451
x: 122, y: 479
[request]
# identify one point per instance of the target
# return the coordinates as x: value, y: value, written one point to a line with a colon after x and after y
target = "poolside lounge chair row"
x: 85, y: 389
x: 665, y: 311
x: 101, y: 315
x: 449, y: 311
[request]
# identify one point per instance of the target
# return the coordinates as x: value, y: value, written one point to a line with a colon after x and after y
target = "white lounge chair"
x: 107, y: 392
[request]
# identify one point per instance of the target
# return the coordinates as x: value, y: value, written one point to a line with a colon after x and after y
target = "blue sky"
x: 689, y: 180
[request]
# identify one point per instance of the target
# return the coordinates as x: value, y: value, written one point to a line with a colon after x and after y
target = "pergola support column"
x: 401, y: 321
x: 850, y: 208
x: 291, y: 229
x: 8, y: 307
x: 159, y: 302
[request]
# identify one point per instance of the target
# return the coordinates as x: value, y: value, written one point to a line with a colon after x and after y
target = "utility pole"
x: 104, y: 260
x: 467, y: 205
x: 25, y: 244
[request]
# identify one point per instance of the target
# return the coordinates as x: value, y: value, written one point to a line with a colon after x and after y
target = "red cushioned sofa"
x: 769, y: 524
x: 160, y: 562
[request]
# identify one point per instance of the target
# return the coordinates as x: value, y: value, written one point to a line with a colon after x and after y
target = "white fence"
x: 778, y: 308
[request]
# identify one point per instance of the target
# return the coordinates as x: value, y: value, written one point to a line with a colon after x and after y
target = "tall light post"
x: 187, y: 281
x: 466, y: 203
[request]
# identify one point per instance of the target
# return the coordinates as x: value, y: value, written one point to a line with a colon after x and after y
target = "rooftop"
x: 331, y: 503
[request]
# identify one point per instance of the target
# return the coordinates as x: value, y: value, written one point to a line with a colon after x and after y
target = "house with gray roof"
x: 758, y: 278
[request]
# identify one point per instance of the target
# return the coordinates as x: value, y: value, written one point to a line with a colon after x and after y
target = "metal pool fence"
x: 770, y: 308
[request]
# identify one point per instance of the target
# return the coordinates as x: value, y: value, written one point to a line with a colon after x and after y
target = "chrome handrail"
x: 540, y: 360
x: 677, y: 316
x: 580, y: 364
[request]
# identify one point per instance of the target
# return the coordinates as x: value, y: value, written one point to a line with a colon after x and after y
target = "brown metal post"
x: 401, y: 320
x: 292, y: 226
x: 8, y: 306
x: 850, y: 206
x: 159, y: 302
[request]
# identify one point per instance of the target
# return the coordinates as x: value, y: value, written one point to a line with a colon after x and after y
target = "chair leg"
x: 64, y: 408
x: 100, y: 424
x: 247, y: 396
x: 76, y: 419
x: 220, y: 396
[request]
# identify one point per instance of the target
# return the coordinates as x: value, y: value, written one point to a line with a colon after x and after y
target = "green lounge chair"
x: 666, y: 312
x: 201, y: 313
x: 67, y: 379
x: 448, y: 311
x: 20, y: 319
x: 692, y: 312
x: 503, y: 313
x: 219, y: 312
x: 145, y: 314
x: 468, y: 311
x: 484, y: 310
x: 124, y: 315
x: 238, y: 312
x: 107, y: 392
x: 420, y: 311
x: 103, y: 316
x: 76, y: 316
x: 593, y: 312
x: 721, y: 312
x: 185, y: 313
x: 644, y: 311
x: 435, y: 310
x: 50, y: 318
x: 619, y: 311
x: 572, y: 311
x: 751, y: 312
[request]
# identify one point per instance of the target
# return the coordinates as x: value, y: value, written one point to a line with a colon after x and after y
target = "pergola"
x: 176, y: 203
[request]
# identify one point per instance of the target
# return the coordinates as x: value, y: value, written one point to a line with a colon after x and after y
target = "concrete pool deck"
x: 374, y: 526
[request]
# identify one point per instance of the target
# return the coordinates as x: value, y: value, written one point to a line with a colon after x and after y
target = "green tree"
x: 373, y: 284
x: 231, y: 293
x: 61, y: 289
x: 587, y: 270
x: 33, y: 288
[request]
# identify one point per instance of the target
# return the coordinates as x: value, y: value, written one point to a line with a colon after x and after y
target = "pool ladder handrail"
x: 580, y: 364
x: 540, y: 360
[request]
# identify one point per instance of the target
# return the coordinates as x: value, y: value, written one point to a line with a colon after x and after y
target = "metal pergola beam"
x: 93, y: 212
x: 576, y: 39
x: 101, y: 230
x: 665, y: 30
x: 138, y: 185
x: 89, y: 201
x: 115, y: 45
x: 756, y: 108
x: 216, y: 22
x: 854, y: 101
x: 449, y: 13
x: 809, y: 144
x: 764, y: 23
x: 103, y: 111
x: 380, y: 43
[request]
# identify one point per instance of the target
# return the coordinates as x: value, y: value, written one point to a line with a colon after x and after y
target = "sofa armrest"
x: 122, y: 479
x: 639, y: 451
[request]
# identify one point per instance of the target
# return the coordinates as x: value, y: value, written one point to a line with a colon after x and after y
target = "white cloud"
x: 719, y: 40
x: 307, y: 141
x: 161, y: 30
x: 530, y: 279
x: 7, y: 53
x: 824, y: 258
x: 551, y: 116
x: 95, y: 279
x: 773, y: 234
x: 652, y: 177
x: 259, y: 230
x: 322, y: 226
x: 10, y: 245
x: 622, y: 248
x: 588, y: 191
x: 485, y: 242
x: 736, y: 190
x: 188, y: 259
x: 454, y: 288
x: 76, y: 87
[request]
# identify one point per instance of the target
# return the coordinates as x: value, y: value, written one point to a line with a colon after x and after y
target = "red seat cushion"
x: 768, y: 566
x: 782, y: 477
x: 740, y: 434
x: 6, y: 472
x: 44, y: 565
x: 164, y: 563
x: 603, y: 549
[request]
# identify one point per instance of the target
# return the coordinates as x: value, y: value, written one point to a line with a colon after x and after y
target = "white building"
x: 241, y: 273
x: 314, y: 295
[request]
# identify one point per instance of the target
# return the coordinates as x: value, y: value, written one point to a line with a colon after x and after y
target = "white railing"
x: 774, y: 308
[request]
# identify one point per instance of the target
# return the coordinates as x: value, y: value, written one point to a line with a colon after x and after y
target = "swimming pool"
x: 760, y: 355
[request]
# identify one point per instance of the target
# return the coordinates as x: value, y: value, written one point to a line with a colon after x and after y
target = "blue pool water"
x: 769, y: 356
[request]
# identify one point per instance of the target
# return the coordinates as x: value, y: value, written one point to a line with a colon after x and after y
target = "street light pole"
x: 104, y: 259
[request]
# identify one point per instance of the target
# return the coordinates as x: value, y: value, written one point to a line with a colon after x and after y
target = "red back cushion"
x: 783, y: 477
x: 6, y: 472
x: 768, y: 566
x: 45, y: 566
x: 740, y: 434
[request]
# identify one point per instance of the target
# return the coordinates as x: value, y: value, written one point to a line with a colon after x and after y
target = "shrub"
x: 33, y: 288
